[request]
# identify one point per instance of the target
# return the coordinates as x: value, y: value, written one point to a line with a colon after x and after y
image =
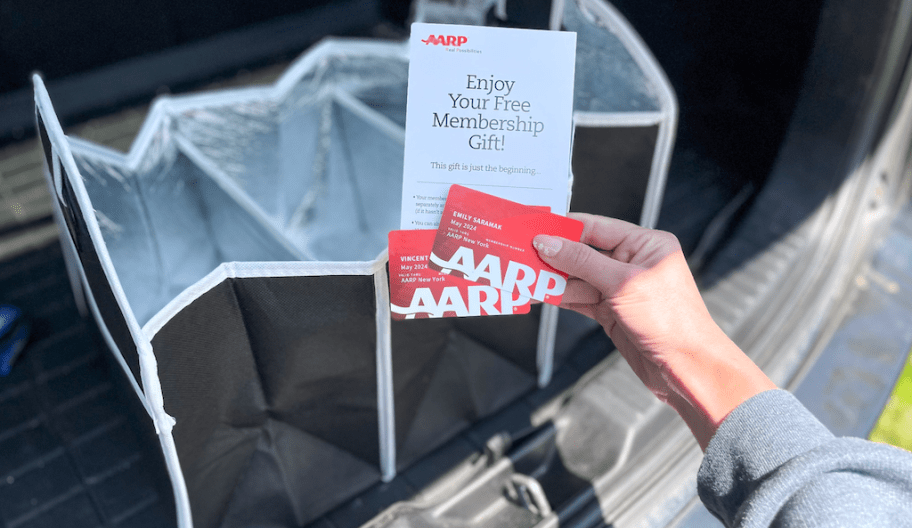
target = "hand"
x: 637, y: 285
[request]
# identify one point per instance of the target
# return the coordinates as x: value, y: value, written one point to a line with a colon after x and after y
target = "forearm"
x: 641, y: 291
x: 711, y: 380
x: 768, y: 461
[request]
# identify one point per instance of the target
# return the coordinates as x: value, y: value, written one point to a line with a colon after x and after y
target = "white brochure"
x: 490, y: 109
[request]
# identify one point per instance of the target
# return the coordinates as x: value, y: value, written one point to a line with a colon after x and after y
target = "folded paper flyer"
x: 489, y: 124
x: 491, y: 109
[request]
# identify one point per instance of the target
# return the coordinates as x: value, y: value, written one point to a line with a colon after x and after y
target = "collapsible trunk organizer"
x: 235, y: 261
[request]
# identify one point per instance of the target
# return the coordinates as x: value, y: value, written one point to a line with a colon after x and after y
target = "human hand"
x: 637, y: 285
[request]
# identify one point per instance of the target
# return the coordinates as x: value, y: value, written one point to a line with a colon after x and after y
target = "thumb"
x: 583, y: 262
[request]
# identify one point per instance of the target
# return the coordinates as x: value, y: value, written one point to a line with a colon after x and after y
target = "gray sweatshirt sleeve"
x: 771, y: 463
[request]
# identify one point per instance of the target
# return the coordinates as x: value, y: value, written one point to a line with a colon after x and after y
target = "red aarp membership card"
x: 488, y: 240
x: 417, y: 292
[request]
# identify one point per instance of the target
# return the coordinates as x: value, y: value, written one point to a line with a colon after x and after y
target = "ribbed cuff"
x: 756, y: 438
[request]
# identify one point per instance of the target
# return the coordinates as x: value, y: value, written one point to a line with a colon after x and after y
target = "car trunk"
x: 792, y: 158
x: 792, y: 155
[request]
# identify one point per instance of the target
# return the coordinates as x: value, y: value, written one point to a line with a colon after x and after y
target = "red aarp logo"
x: 445, y: 40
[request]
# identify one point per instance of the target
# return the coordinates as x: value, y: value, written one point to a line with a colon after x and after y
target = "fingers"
x: 630, y: 247
x: 603, y: 273
x: 580, y: 292
x: 626, y: 242
x: 587, y: 310
x: 604, y: 233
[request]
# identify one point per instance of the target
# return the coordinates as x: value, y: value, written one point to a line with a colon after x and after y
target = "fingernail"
x: 547, y: 246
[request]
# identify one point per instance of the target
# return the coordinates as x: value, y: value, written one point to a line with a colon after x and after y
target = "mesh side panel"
x: 167, y: 225
x: 356, y: 191
x: 272, y: 382
x: 608, y: 79
x: 322, y: 167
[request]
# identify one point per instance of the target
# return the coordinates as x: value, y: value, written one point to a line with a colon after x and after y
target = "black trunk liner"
x: 76, y: 447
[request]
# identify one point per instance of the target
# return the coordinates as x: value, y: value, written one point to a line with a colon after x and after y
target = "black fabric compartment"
x: 276, y: 416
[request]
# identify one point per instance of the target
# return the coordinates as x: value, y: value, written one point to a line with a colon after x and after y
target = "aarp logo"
x: 445, y: 40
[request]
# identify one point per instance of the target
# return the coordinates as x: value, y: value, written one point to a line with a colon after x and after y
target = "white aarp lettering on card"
x: 490, y: 109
